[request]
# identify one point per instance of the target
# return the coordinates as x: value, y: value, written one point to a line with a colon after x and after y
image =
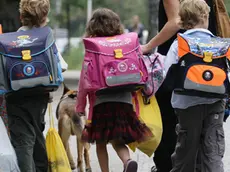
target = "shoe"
x: 154, y: 169
x: 131, y: 166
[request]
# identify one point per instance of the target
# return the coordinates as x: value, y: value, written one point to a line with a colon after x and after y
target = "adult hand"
x: 146, y: 48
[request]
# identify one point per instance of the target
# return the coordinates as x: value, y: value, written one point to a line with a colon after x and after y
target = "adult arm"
x: 169, y: 29
x: 64, y: 65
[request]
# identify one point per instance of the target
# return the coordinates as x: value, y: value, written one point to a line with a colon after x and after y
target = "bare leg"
x: 103, y: 158
x: 122, y: 151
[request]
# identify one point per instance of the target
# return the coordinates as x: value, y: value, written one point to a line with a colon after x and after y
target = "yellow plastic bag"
x: 151, y: 116
x: 57, y: 158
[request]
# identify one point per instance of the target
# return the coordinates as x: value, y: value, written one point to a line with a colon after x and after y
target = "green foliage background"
x: 227, y: 2
x: 78, y: 13
x: 77, y: 17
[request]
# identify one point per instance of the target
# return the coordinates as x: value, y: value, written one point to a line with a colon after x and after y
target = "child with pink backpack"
x: 113, y: 69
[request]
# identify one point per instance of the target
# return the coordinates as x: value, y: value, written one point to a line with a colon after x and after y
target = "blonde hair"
x: 193, y: 12
x: 34, y: 12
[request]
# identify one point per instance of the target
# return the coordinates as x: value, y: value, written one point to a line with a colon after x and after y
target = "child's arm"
x: 61, y: 61
x: 172, y: 57
x: 169, y: 29
x: 64, y: 65
x: 82, y: 94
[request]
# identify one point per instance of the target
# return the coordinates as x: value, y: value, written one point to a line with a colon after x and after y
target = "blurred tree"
x: 146, y: 9
x: 228, y: 6
x: 153, y: 18
x: 78, y: 10
x: 126, y: 9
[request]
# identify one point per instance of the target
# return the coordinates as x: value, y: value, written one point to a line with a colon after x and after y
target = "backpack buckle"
x: 26, y: 55
x: 208, y: 57
x: 118, y: 53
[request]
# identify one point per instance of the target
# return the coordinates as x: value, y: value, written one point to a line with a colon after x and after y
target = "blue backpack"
x: 29, y: 62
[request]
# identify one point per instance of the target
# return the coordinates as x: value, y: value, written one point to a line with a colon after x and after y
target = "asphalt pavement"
x: 144, y: 162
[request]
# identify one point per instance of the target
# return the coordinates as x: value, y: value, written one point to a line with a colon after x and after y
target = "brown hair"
x: 193, y: 12
x: 104, y: 22
x: 34, y: 12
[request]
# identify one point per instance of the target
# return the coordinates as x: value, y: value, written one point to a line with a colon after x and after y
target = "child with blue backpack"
x: 114, y: 119
x: 199, y: 110
x: 26, y: 112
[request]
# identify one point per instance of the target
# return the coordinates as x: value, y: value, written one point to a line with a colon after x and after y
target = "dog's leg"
x: 86, y: 156
x: 64, y: 130
x: 80, y: 148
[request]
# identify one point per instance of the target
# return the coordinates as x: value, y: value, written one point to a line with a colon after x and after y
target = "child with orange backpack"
x: 113, y: 119
x: 198, y: 62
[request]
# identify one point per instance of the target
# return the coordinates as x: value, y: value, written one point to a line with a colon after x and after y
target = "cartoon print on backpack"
x: 23, y: 40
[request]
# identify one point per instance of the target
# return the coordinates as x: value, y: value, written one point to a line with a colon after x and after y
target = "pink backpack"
x: 154, y: 64
x: 113, y: 64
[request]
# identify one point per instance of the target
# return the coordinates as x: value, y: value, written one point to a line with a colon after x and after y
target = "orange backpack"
x: 203, y: 67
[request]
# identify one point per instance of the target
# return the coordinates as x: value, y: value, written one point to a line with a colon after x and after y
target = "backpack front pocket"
x: 205, y: 78
x: 28, y: 75
x: 90, y: 75
x: 118, y: 73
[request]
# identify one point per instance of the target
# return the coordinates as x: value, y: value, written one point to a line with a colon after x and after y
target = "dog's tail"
x: 78, y: 125
x: 64, y: 127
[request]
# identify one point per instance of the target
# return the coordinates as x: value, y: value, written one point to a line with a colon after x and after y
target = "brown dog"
x: 69, y: 123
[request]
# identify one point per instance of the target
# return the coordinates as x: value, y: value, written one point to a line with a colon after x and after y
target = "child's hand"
x: 81, y: 113
x: 226, y: 115
x: 77, y: 116
x: 50, y: 98
x: 227, y: 110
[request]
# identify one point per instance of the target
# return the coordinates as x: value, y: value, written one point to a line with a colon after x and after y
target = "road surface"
x: 144, y: 163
